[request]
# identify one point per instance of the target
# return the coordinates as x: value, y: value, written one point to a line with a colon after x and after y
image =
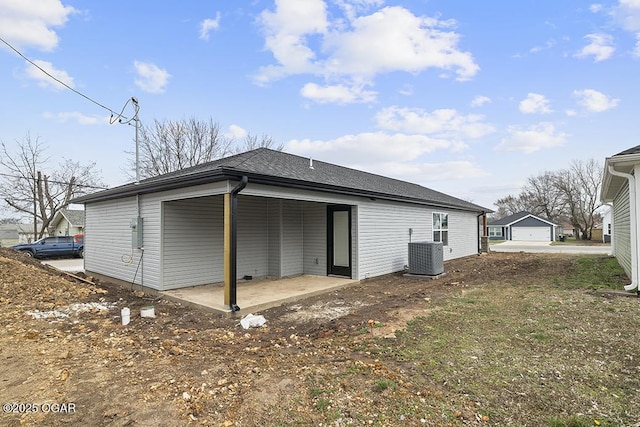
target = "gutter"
x: 633, y: 214
x: 478, y: 227
x: 234, y: 243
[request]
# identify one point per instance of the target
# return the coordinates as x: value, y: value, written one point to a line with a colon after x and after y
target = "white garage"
x: 531, y: 234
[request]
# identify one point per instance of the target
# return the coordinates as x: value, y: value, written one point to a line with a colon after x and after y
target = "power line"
x: 111, y: 121
x: 95, y: 187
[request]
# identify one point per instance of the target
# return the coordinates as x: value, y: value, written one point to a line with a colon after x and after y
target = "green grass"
x: 593, y: 272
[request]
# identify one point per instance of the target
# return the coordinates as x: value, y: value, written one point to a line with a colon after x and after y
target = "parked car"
x: 59, y: 246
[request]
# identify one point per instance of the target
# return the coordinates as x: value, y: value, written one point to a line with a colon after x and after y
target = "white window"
x: 441, y: 228
x: 495, y: 231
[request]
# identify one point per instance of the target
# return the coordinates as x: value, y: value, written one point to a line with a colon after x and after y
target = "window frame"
x: 440, y: 227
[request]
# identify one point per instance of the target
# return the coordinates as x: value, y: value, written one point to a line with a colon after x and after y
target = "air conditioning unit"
x: 426, y: 258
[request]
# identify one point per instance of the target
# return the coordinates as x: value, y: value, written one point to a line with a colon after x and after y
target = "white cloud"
x: 75, y: 116
x: 571, y: 113
x: 536, y: 137
x: 287, y: 31
x: 46, y: 81
x: 595, y: 8
x: 446, y: 123
x: 340, y: 94
x: 369, y: 147
x: 534, y: 103
x: 480, y: 100
x: 151, y: 78
x: 208, y: 25
x: 595, y: 101
x: 26, y: 23
x: 236, y: 132
x: 600, y: 47
x: 394, y: 39
x: 430, y: 172
x: 627, y: 13
x: 305, y: 39
x: 548, y: 45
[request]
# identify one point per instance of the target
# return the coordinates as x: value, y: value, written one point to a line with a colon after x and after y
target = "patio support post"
x: 230, y: 245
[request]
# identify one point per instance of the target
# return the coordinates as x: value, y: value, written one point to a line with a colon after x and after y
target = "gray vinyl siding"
x: 383, y: 233
x: 274, y: 236
x: 193, y: 242
x: 107, y: 240
x: 252, y: 237
x: 292, y: 238
x: 281, y: 232
x: 622, y: 228
x: 315, y: 238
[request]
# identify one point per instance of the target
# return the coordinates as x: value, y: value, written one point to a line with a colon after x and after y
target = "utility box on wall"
x: 136, y: 232
x: 426, y: 258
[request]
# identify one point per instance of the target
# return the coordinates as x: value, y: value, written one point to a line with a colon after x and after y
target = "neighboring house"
x: 522, y: 226
x: 67, y: 222
x: 620, y: 188
x: 8, y: 235
x: 565, y: 228
x: 295, y: 216
x: 25, y: 233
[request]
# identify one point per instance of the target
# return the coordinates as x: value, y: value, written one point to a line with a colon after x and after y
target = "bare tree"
x: 508, y: 206
x: 26, y: 187
x: 580, y: 189
x: 566, y: 194
x: 251, y: 142
x: 167, y: 146
x: 542, y: 197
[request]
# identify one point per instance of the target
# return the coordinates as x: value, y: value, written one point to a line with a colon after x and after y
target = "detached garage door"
x: 531, y: 234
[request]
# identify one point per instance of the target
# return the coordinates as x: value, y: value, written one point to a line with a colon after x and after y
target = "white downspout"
x: 633, y: 215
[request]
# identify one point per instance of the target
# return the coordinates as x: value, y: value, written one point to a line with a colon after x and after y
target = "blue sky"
x: 465, y: 97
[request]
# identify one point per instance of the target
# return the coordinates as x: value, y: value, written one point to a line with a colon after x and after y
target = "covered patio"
x: 256, y: 295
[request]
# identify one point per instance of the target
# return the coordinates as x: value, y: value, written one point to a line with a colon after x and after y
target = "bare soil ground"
x: 502, y: 339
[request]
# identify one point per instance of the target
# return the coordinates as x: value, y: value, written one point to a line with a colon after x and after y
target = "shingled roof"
x: 632, y: 150
x: 273, y: 167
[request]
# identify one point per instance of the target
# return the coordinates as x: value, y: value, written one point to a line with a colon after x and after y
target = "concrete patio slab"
x: 256, y: 295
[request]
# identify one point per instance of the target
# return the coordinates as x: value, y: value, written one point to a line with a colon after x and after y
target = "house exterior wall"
x: 63, y: 228
x: 108, y: 234
x: 281, y: 232
x: 274, y: 236
x: 292, y: 238
x: 622, y: 228
x: 192, y: 242
x: 107, y: 240
x: 383, y: 230
x: 314, y: 239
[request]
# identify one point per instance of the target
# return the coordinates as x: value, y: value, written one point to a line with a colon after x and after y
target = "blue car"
x: 59, y: 246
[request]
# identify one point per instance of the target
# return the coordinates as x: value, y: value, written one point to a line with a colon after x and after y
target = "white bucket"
x: 125, y: 313
x: 147, y: 311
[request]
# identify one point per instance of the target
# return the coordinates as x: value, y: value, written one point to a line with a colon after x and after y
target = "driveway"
x: 546, y: 247
x: 71, y: 265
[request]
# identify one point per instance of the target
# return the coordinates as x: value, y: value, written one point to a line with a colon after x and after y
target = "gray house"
x: 67, y: 222
x: 265, y: 213
x: 522, y: 226
x: 620, y: 188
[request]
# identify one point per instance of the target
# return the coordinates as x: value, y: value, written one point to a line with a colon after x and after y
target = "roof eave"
x: 234, y: 174
x: 611, y: 184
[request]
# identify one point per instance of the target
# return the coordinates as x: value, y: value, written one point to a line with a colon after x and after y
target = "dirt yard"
x: 334, y: 359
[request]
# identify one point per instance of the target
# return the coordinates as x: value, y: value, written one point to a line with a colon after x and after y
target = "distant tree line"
x: 570, y: 195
